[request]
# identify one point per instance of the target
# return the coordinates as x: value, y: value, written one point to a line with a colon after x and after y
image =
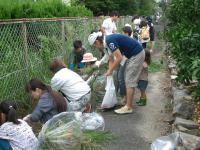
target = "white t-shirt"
x: 70, y: 84
x: 20, y: 136
x: 109, y: 26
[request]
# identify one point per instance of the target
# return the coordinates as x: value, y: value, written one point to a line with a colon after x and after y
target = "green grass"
x: 94, y: 140
x: 155, y: 66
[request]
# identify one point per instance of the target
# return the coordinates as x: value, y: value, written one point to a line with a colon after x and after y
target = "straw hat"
x: 88, y: 57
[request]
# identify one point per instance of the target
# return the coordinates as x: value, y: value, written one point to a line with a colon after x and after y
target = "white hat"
x: 92, y: 37
x: 88, y: 57
x: 137, y: 21
x: 128, y: 25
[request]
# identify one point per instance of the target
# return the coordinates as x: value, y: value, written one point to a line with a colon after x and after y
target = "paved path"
x: 136, y: 131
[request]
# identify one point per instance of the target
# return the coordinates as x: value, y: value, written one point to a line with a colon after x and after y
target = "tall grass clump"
x: 16, y: 9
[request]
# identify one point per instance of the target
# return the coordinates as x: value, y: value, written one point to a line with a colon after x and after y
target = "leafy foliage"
x: 10, y: 9
x: 183, y: 32
x: 124, y: 7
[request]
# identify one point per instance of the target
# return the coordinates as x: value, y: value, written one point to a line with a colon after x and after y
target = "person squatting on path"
x: 76, y: 56
x: 143, y: 79
x: 50, y: 103
x: 71, y: 85
x: 115, y: 46
x: 15, y: 133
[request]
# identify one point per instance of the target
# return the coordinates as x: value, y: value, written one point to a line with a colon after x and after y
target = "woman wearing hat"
x: 115, y: 46
x: 89, y: 59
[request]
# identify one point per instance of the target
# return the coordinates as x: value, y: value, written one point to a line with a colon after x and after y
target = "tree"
x: 124, y: 7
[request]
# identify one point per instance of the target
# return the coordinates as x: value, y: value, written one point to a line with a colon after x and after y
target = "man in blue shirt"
x: 115, y: 46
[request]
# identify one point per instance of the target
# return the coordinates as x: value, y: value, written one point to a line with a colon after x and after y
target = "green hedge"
x: 12, y: 9
x: 183, y: 32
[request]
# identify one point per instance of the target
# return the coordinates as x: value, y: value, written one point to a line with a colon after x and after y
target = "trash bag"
x: 169, y: 142
x: 110, y: 98
x: 62, y: 132
x: 92, y: 121
x: 177, y: 140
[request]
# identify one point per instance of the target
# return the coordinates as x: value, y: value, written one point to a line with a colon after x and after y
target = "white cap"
x: 128, y: 25
x: 92, y: 37
x: 137, y: 21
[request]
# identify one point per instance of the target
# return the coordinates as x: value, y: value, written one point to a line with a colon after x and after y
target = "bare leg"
x: 129, y: 94
x: 152, y: 43
x: 143, y: 93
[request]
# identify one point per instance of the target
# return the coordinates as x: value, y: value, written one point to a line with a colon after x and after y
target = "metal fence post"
x: 63, y: 35
x: 25, y: 49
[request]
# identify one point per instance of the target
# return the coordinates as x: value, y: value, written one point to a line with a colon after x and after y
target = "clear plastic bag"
x: 92, y: 121
x: 169, y: 142
x: 177, y: 141
x: 62, y: 132
x: 110, y: 98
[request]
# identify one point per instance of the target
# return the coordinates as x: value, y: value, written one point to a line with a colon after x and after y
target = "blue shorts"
x: 142, y: 84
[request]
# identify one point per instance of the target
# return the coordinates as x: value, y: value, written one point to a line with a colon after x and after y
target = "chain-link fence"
x: 27, y: 46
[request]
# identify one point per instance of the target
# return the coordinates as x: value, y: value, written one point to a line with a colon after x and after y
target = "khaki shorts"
x: 133, y: 69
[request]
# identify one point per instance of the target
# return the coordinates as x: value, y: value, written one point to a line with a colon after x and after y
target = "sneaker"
x: 124, y: 110
x: 142, y: 102
x: 138, y: 101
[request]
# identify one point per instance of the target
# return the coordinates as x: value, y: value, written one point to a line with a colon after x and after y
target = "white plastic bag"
x: 90, y: 121
x: 110, y: 98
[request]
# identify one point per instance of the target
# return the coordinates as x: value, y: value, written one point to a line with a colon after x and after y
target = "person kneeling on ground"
x: 50, y: 102
x: 89, y: 60
x: 71, y: 85
x: 76, y: 56
x: 15, y: 133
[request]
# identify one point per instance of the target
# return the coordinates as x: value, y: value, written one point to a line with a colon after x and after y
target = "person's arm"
x: 42, y: 107
x: 56, y: 83
x: 113, y: 63
x: 103, y: 60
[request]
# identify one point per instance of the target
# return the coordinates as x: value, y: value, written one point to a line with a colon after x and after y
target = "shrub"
x: 41, y: 9
x: 183, y: 31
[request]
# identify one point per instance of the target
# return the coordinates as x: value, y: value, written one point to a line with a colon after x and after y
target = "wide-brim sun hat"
x: 93, y: 36
x: 88, y: 57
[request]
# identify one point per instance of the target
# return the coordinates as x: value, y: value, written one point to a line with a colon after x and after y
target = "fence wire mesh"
x: 26, y: 48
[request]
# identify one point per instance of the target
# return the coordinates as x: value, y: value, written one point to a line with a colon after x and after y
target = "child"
x: 127, y: 30
x: 15, y: 133
x: 143, y: 79
x: 50, y: 102
x: 76, y: 56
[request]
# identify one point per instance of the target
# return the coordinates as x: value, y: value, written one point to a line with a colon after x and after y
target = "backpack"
x: 144, y: 34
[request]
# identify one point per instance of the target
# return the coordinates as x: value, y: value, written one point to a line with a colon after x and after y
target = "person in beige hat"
x: 89, y: 59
